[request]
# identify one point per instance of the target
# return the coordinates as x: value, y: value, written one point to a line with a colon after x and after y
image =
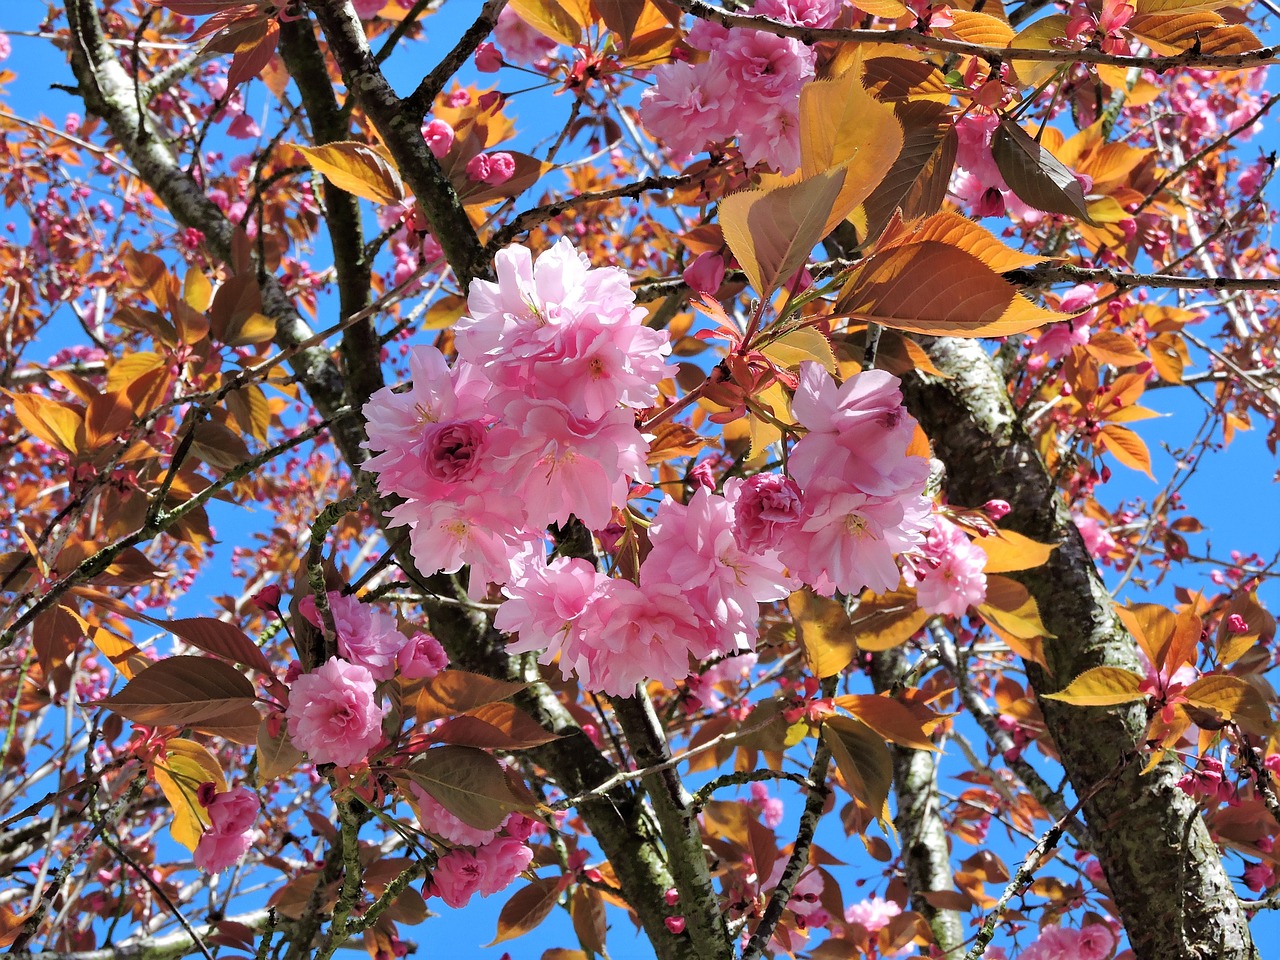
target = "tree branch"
x: 1189, y: 59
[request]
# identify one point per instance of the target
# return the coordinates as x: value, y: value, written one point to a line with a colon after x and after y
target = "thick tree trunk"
x: 1165, y: 874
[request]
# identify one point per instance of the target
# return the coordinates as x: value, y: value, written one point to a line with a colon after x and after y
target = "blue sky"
x: 1232, y: 492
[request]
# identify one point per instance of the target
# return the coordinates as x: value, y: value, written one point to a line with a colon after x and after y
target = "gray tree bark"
x: 1165, y: 873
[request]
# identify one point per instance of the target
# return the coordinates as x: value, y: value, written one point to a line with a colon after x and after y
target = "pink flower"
x: 559, y: 464
x: 368, y: 9
x: 488, y: 58
x: 435, y: 819
x: 872, y: 914
x: 705, y: 274
x: 769, y: 68
x: 494, y: 169
x: 229, y: 836
x: 688, y: 106
x: 849, y: 540
x: 765, y: 507
x: 771, y: 808
x: 450, y: 452
x: 475, y: 528
x: 953, y: 577
x: 422, y: 657
x: 1095, y: 942
x: 503, y: 860
x: 398, y: 422
x: 522, y: 43
x: 858, y: 432
x: 333, y: 713
x: 456, y: 877
x: 439, y: 136
x: 634, y: 635
x: 544, y: 605
x: 366, y: 636
x: 694, y: 548
x: 1097, y: 539
x: 805, y: 13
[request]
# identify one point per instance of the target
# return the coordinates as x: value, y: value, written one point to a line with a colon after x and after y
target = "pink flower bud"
x: 266, y: 599
x: 706, y: 273
x: 491, y: 168
x: 439, y: 137
x: 1237, y: 624
x: 491, y: 100
x: 997, y: 509
x: 488, y: 59
x: 675, y: 924
x: 672, y: 897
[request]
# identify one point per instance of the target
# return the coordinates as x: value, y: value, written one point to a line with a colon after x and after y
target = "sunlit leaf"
x: 1101, y: 687
x: 187, y: 764
x: 359, y: 169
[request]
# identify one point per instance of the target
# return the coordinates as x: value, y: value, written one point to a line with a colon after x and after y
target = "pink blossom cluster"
x: 334, y: 712
x: 535, y: 422
x: 739, y: 83
x: 952, y: 577
x: 230, y: 832
x: 495, y: 859
x: 1093, y: 942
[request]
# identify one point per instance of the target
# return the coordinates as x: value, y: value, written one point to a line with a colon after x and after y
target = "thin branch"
x: 420, y: 101
x: 1189, y: 59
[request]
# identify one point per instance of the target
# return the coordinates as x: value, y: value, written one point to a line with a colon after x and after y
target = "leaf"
x: 889, y: 718
x: 527, y: 908
x: 359, y: 169
x: 57, y: 424
x: 1201, y: 30
x: 863, y: 760
x: 218, y: 637
x: 825, y: 633
x: 964, y: 297
x: 187, y: 765
x: 1127, y: 447
x: 587, y: 909
x: 1234, y: 700
x: 276, y: 755
x: 806, y: 343
x: 842, y: 125
x: 495, y: 726
x: 219, y: 446
x: 979, y: 28
x: 917, y: 182
x: 1101, y: 687
x: 1012, y: 613
x: 181, y: 691
x: 974, y: 239
x: 1035, y: 175
x: 1117, y: 349
x: 1008, y: 551
x: 250, y: 329
x: 772, y: 232
x: 452, y: 692
x: 887, y: 620
x: 469, y: 783
x: 1170, y: 356
x: 551, y: 19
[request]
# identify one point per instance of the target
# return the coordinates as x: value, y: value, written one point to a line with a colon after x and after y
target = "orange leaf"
x: 527, y: 908
x: 452, y: 692
x: 1127, y: 447
x: 1101, y: 687
x: 359, y: 169
x: 1007, y: 550
x: 964, y: 297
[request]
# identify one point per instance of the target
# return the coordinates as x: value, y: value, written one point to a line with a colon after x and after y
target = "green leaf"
x: 469, y: 783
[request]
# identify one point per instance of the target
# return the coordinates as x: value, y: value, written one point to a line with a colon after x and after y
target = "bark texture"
x: 1164, y: 872
x: 926, y: 850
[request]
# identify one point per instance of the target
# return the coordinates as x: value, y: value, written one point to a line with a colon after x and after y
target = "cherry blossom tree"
x: 656, y: 442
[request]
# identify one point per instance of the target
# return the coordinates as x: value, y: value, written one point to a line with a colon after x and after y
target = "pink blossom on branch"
x: 334, y: 715
x: 229, y: 836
